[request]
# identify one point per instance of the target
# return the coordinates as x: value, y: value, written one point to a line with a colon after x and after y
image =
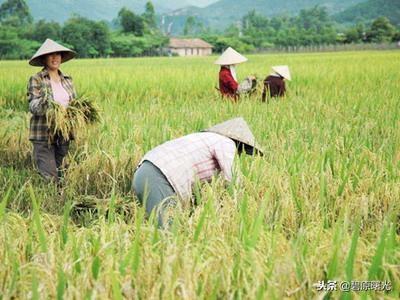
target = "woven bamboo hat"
x: 230, y: 57
x: 50, y: 46
x: 238, y: 130
x: 283, y: 71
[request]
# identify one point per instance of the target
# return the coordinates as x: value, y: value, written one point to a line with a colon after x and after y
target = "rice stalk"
x: 37, y: 221
x: 67, y: 122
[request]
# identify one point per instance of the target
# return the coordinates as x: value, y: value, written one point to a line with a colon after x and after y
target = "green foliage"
x: 381, y: 31
x: 37, y: 221
x: 96, y: 265
x: 61, y: 284
x: 130, y: 22
x: 138, y: 35
x: 88, y: 38
x: 376, y: 268
x: 368, y: 10
x: 128, y: 45
x: 15, y: 13
x: 149, y: 17
x: 355, y: 34
x: 193, y: 26
x: 220, y: 43
x: 3, y: 203
x: 42, y: 30
x: 310, y: 27
x: 34, y: 289
x: 12, y: 46
x: 351, y: 257
x: 222, y: 13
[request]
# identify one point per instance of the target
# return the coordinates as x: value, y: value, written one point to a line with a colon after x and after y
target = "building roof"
x: 188, y: 43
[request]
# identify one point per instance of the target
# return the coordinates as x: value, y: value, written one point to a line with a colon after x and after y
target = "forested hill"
x: 369, y: 10
x: 225, y: 12
x: 135, y: 34
x: 211, y: 12
x: 61, y: 10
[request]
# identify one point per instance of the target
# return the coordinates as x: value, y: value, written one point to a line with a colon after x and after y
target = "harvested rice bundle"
x: 65, y: 122
x: 87, y: 107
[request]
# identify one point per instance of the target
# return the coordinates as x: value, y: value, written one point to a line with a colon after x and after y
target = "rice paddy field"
x: 322, y: 205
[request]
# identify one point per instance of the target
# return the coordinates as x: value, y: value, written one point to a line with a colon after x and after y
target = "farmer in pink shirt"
x: 170, y: 170
x: 48, y: 85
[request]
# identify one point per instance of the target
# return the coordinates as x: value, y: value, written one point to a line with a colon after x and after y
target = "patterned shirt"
x: 196, y: 156
x: 39, y: 95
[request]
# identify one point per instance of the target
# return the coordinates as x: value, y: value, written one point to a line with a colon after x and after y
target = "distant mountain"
x: 369, y: 10
x: 225, y: 12
x: 61, y: 10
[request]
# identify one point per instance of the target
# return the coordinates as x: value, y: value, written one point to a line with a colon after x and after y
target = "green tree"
x: 189, y: 25
x: 12, y: 46
x: 355, y: 34
x: 315, y: 27
x: 311, y: 27
x: 232, y: 31
x: 381, y: 31
x: 42, y: 30
x: 193, y: 26
x: 15, y: 13
x: 257, y: 30
x: 127, y: 45
x: 130, y: 22
x: 220, y: 43
x: 88, y: 38
x: 149, y: 16
x: 396, y: 36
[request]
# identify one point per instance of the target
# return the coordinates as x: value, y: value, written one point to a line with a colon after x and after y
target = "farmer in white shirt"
x: 169, y: 171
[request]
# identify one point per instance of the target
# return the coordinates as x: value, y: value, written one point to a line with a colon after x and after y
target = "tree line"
x: 311, y: 27
x: 134, y: 34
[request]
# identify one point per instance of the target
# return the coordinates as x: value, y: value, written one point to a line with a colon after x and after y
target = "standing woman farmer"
x: 228, y: 83
x: 48, y: 85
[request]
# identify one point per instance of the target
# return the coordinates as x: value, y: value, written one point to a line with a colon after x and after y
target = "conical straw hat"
x: 238, y: 130
x: 283, y: 71
x: 230, y: 57
x: 50, y: 46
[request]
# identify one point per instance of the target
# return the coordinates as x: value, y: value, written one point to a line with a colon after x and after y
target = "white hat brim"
x: 48, y: 47
x: 282, y: 71
x: 230, y: 57
x: 238, y: 130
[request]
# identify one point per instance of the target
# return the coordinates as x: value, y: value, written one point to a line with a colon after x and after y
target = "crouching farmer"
x: 228, y: 82
x: 167, y: 173
x: 274, y: 84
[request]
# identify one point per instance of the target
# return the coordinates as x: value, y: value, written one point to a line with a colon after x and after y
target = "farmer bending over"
x: 275, y: 82
x: 167, y: 173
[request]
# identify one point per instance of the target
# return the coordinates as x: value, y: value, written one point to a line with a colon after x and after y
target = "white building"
x: 189, y: 47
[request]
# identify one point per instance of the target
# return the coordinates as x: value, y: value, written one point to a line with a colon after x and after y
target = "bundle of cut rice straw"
x: 65, y: 122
